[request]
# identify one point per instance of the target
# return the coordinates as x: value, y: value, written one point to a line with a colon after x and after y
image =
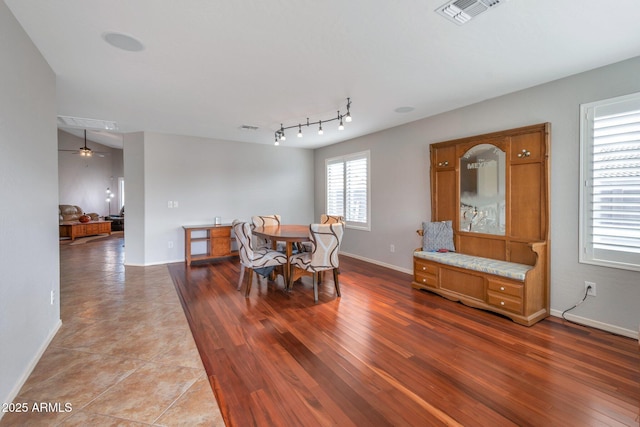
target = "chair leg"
x: 249, y: 280
x: 315, y: 286
x: 289, y: 282
x: 335, y: 281
x: 242, y: 268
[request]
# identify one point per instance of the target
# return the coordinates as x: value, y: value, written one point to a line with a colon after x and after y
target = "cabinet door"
x: 445, y: 157
x: 526, y: 212
x: 443, y: 185
x: 220, y: 241
x: 528, y: 187
x: 527, y: 147
x: 444, y: 205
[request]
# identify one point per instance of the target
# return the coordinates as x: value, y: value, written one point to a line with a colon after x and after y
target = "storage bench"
x: 512, y: 289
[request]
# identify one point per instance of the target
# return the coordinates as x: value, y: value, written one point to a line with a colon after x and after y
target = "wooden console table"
x: 75, y: 229
x: 217, y: 238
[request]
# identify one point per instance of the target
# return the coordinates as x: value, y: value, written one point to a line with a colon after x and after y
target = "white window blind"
x: 610, y: 153
x: 348, y: 189
x: 335, y: 188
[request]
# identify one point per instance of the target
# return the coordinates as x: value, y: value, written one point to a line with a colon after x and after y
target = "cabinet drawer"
x: 504, y: 302
x: 426, y: 279
x: 219, y: 232
x: 424, y: 267
x: 505, y: 288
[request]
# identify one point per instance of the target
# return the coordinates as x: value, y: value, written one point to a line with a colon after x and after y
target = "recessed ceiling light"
x: 123, y: 41
x: 404, y: 109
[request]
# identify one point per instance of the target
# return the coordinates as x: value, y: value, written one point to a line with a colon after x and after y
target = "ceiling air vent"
x: 82, y: 123
x: 248, y: 127
x: 461, y: 11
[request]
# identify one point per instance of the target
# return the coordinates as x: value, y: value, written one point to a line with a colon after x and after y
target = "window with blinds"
x: 348, y: 189
x: 610, y: 194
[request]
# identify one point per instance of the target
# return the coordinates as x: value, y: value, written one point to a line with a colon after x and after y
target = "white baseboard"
x: 154, y: 263
x: 32, y: 364
x: 376, y: 262
x: 598, y: 325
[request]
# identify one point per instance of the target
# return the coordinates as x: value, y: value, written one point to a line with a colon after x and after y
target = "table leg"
x: 287, y: 269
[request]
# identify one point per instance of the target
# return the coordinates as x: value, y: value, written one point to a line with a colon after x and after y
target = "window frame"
x: 626, y: 260
x: 349, y: 223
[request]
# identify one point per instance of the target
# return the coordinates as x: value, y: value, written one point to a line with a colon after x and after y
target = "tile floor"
x: 124, y: 355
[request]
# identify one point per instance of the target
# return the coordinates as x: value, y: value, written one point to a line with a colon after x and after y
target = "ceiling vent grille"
x: 82, y: 123
x: 461, y: 11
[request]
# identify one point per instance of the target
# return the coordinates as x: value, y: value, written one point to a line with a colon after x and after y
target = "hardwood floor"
x: 384, y: 354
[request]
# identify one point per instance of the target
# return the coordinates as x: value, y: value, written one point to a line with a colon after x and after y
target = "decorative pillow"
x: 437, y: 236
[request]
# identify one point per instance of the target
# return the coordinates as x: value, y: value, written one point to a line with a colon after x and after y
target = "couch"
x: 73, y: 213
x: 117, y: 221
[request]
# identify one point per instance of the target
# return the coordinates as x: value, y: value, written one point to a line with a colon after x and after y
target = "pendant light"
x: 85, y: 151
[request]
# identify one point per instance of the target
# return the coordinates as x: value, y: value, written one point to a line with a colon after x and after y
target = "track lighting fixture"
x: 280, y: 136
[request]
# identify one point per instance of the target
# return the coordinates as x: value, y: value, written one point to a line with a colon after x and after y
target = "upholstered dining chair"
x: 264, y: 221
x: 325, y: 219
x: 251, y: 259
x: 331, y: 219
x: 325, y: 242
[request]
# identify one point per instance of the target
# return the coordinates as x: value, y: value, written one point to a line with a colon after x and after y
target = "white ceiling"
x: 209, y: 67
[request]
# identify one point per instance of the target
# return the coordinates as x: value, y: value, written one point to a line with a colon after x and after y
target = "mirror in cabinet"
x: 482, y: 190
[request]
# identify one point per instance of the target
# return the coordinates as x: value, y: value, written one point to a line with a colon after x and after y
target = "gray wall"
x: 208, y: 178
x: 134, y: 205
x: 83, y: 181
x: 400, y: 187
x: 29, y: 260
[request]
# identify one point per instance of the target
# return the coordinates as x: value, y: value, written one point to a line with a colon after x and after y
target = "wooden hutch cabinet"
x: 520, y: 218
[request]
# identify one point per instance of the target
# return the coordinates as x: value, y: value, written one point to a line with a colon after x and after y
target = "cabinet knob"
x: 445, y: 163
x: 501, y: 302
x: 524, y: 153
x: 424, y: 280
x: 424, y: 268
x: 502, y: 288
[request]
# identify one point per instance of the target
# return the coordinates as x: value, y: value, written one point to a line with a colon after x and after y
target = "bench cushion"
x: 511, y: 270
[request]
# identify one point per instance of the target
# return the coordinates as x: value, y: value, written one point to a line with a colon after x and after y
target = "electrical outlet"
x: 170, y: 245
x: 392, y: 248
x: 170, y: 204
x: 590, y: 287
x: 175, y: 203
x: 53, y: 297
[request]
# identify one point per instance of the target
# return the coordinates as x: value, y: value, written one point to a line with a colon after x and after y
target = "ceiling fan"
x: 86, y: 151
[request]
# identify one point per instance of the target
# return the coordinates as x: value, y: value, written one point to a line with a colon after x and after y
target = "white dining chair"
x: 331, y: 219
x: 250, y: 259
x: 264, y: 221
x: 325, y: 246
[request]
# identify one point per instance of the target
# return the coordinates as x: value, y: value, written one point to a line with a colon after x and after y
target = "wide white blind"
x: 348, y: 188
x: 612, y: 184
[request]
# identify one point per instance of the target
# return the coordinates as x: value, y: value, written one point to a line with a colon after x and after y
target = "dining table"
x: 289, y: 234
